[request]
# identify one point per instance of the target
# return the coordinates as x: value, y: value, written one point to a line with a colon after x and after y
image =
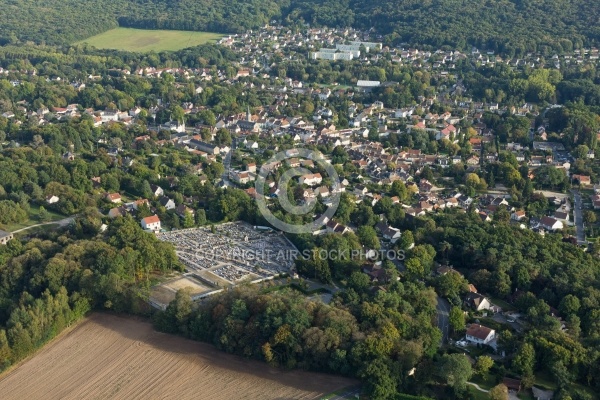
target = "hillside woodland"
x: 509, y: 26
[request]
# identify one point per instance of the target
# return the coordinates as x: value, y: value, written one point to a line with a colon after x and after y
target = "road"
x: 61, y: 222
x: 578, y: 213
x: 443, y: 310
x: 227, y: 164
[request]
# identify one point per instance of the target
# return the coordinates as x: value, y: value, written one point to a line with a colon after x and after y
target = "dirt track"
x: 109, y: 357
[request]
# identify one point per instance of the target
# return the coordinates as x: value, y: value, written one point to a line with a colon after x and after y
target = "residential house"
x: 388, y: 232
x: 376, y: 273
x: 51, y: 199
x: 480, y: 334
x: 203, y: 146
x: 551, y: 224
x: 182, y: 210
x: 113, y: 197
x: 141, y: 202
x: 513, y: 385
x: 583, y: 180
x: 311, y: 179
x: 334, y: 227
x: 322, y: 191
x: 561, y: 216
x: 477, y: 302
x: 518, y: 215
x: 252, y: 145
x: 473, y: 160
x: 5, y: 237
x: 167, y: 203
x: 157, y: 190
x: 151, y: 223
x: 117, y: 212
x: 242, y: 177
x: 465, y: 201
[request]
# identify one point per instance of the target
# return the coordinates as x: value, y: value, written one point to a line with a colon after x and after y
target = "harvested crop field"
x: 110, y: 357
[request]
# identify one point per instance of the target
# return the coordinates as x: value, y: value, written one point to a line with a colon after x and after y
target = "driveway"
x: 504, y: 320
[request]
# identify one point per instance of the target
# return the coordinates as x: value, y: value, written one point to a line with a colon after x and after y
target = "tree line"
x: 504, y: 26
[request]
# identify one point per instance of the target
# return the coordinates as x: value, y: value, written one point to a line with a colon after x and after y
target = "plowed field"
x: 110, y: 357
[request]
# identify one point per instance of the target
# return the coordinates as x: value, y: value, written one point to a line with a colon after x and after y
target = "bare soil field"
x: 164, y: 293
x: 111, y: 357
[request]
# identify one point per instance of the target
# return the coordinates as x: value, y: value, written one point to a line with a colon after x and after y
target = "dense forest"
x: 503, y: 25
x: 51, y: 282
x: 375, y: 336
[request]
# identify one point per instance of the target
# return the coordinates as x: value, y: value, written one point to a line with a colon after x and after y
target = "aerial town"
x: 444, y: 158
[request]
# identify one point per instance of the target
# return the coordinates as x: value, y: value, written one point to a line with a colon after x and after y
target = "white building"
x: 480, y: 334
x: 151, y: 223
x: 311, y: 179
x: 51, y: 199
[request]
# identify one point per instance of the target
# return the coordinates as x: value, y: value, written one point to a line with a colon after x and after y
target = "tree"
x: 414, y: 267
x: 188, y: 220
x: 364, y: 215
x: 499, y: 392
x: 454, y: 370
x: 569, y: 305
x: 223, y: 137
x: 200, y: 217
x: 581, y: 151
x: 524, y: 361
x: 43, y: 214
x: 399, y: 189
x: 5, y: 351
x: 406, y: 241
x: 483, y: 365
x: 589, y: 217
x: 368, y: 237
x: 456, y: 319
x: 177, y: 113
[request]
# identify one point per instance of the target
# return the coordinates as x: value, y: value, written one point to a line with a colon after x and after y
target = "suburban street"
x: 443, y: 310
x: 578, y: 216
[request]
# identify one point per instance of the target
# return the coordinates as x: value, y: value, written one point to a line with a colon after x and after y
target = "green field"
x: 142, y: 40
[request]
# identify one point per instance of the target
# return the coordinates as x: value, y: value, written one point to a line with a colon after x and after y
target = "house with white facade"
x: 477, y: 302
x: 479, y: 334
x: 311, y: 179
x: 151, y: 223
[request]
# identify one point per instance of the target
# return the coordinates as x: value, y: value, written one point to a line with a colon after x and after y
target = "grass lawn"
x: 477, y: 395
x: 34, y: 212
x: 502, y: 304
x: 487, y: 381
x: 545, y: 381
x: 144, y: 40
